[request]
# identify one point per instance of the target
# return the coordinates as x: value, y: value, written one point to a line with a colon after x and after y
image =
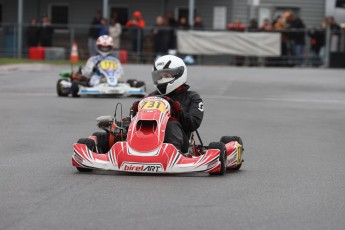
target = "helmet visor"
x: 166, y: 75
x: 105, y: 48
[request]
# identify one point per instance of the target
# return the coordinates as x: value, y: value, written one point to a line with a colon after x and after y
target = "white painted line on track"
x: 290, y: 100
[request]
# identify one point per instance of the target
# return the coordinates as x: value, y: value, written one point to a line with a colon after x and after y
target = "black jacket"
x: 192, y: 108
x: 297, y: 36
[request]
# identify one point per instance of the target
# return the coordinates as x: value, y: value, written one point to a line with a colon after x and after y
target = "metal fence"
x: 144, y: 52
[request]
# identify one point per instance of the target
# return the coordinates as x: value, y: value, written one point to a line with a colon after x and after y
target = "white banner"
x: 260, y: 44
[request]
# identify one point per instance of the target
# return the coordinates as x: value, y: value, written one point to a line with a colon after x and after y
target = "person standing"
x: 317, y: 41
x: 198, y: 25
x: 253, y: 27
x: 172, y: 24
x: 161, y: 35
x: 115, y: 31
x: 296, y: 36
x: 136, y: 26
x: 183, y: 24
x: 93, y: 33
x: 32, y: 34
x: 46, y: 33
x: 103, y: 29
x: 238, y: 27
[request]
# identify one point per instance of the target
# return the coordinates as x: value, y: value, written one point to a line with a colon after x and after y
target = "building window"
x: 59, y: 16
x: 340, y: 3
x: 120, y: 13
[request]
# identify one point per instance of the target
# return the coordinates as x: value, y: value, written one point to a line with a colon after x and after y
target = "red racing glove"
x: 175, y: 105
x: 135, y: 106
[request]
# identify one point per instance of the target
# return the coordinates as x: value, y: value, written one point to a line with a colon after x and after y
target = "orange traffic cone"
x: 74, y: 53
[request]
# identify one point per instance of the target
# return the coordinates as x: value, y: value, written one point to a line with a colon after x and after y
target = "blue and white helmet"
x: 169, y: 73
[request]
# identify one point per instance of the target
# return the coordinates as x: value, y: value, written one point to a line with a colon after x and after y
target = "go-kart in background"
x: 291, y: 121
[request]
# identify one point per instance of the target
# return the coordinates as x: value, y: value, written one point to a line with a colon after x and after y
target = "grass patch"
x: 9, y: 61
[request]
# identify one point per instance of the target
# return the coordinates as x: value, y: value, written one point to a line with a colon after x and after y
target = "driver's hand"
x: 135, y: 106
x: 175, y: 105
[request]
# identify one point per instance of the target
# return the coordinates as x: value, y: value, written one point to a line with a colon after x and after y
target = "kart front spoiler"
x: 105, y: 89
x: 167, y: 159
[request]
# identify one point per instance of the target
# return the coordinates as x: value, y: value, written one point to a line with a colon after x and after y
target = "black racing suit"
x: 181, y: 125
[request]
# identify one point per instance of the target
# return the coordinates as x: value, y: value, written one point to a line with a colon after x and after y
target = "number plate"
x: 154, y: 104
x: 108, y: 65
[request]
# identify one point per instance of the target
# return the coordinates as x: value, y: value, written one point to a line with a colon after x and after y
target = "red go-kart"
x: 136, y: 144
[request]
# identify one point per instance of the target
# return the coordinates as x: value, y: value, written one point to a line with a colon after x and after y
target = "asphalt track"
x: 292, y: 122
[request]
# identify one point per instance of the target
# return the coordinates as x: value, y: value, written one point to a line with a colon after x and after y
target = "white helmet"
x: 104, y: 45
x: 169, y: 73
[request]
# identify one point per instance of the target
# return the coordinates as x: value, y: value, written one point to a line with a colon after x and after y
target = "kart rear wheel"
x: 75, y: 89
x: 92, y: 146
x: 227, y: 139
x: 102, y: 141
x: 222, y: 157
x: 61, y: 91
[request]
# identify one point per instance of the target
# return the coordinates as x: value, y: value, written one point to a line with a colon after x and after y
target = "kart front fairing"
x: 145, y: 150
x: 110, y: 74
x: 122, y: 89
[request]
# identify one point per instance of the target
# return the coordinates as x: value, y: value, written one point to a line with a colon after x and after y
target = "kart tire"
x: 91, y: 145
x: 139, y: 84
x: 227, y: 139
x: 132, y: 82
x: 61, y: 92
x: 75, y: 89
x: 222, y: 157
x: 102, y: 141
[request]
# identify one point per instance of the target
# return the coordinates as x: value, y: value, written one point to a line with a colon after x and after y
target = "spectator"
x: 239, y: 27
x: 103, y: 29
x: 32, y: 34
x: 333, y: 24
x: 93, y: 33
x: 296, y: 37
x: 161, y: 36
x: 46, y: 33
x: 172, y: 24
x: 198, y: 25
x: 279, y: 25
x: 253, y: 27
x: 266, y: 26
x: 236, y: 26
x: 335, y: 34
x: 183, y: 24
x: 136, y: 26
x: 115, y: 31
x: 317, y: 42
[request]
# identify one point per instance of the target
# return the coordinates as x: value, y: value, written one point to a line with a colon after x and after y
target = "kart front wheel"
x: 132, y: 82
x: 102, y: 141
x: 61, y: 91
x: 75, y: 89
x: 222, y: 157
x: 90, y: 145
x: 227, y: 139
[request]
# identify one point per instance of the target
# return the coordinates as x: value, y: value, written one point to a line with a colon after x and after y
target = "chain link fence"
x: 322, y: 47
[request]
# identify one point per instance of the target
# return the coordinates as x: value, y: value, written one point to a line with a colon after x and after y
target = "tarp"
x: 260, y: 44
